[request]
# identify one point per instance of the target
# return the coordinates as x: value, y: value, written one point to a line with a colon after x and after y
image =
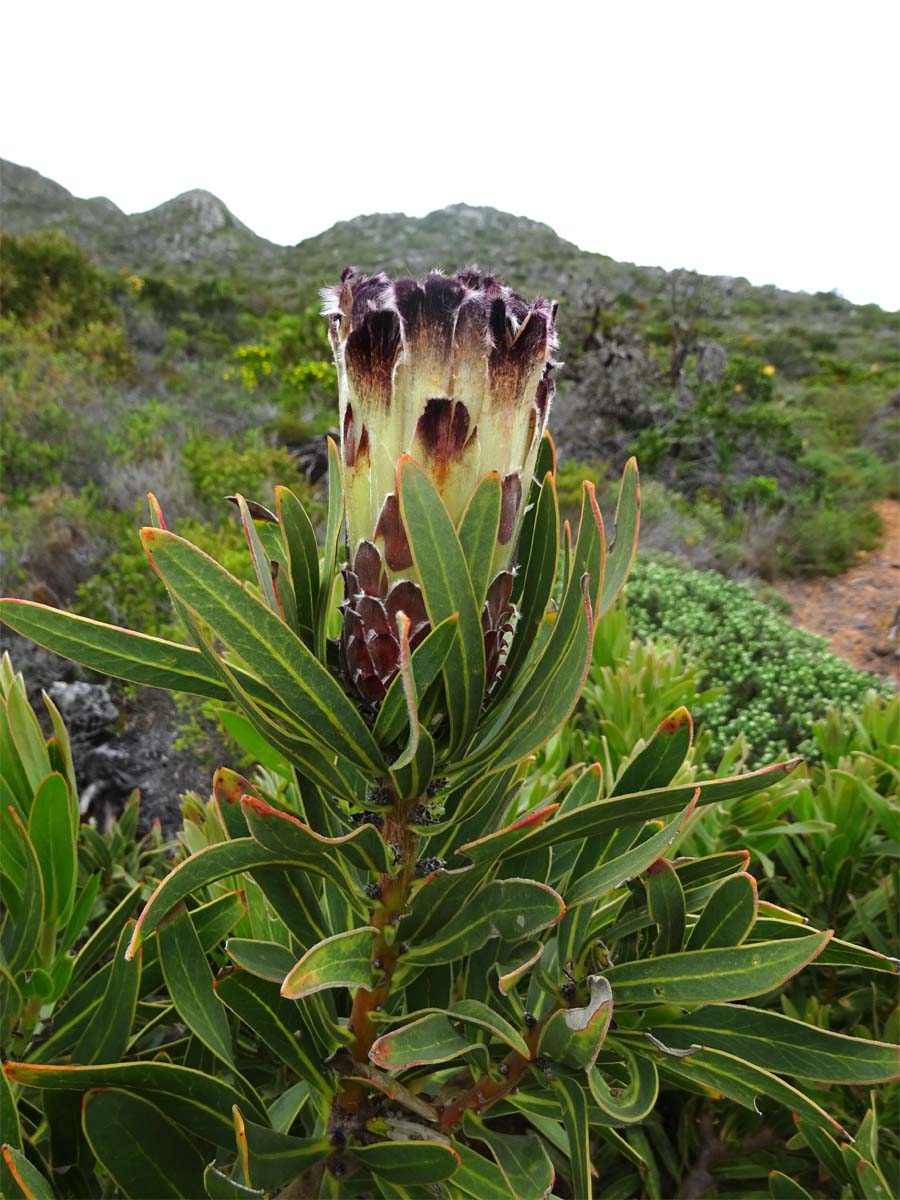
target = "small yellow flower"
x: 874, y: 367
x: 738, y: 387
x: 768, y: 369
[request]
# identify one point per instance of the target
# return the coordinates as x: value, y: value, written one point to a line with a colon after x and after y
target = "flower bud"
x: 457, y: 373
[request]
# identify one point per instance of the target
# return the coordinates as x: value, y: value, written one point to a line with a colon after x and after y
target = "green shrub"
x: 775, y: 680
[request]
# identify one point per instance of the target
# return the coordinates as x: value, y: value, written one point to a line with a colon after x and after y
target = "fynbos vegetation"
x: 426, y: 950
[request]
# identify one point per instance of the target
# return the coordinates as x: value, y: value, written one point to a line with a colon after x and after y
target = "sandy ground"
x: 859, y: 611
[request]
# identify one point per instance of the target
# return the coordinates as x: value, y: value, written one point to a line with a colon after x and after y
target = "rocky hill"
x: 196, y: 233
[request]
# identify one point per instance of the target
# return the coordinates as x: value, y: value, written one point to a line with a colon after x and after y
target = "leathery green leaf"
x: 621, y: 551
x: 266, y: 644
x: 198, y: 1102
x: 303, y: 560
x: 206, y: 866
x: 572, y: 1096
x: 296, y: 844
x: 189, y: 980
x: 665, y: 897
x: 9, y: 1115
x: 594, y: 884
x: 137, y: 657
x: 432, y: 1038
x: 656, y: 765
x: 478, y: 529
x: 512, y: 909
x: 146, y: 1154
x: 26, y: 734
x: 783, y: 1187
x: 574, y: 1036
x: 267, y: 960
x: 705, y: 976
x: 106, y: 1036
x: 259, y: 1004
x: 220, y: 1187
x: 425, y: 664
x: 328, y: 568
x: 26, y: 1178
x: 533, y: 586
x: 277, y: 1157
x: 262, y: 565
x: 51, y: 835
x: 344, y: 960
x: 606, y: 815
x: 728, y: 915
x: 416, y: 1162
x: 21, y: 931
x: 447, y: 589
x: 523, y: 1160
x: 637, y: 1098
x: 736, y: 1078
x: 478, y: 1177
x: 779, y: 1043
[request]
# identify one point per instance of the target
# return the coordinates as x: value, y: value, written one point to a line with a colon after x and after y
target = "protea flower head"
x: 456, y: 372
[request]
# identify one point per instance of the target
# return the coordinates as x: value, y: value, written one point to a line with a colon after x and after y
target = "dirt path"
x: 859, y: 611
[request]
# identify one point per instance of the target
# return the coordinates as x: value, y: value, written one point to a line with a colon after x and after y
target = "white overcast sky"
x: 741, y: 137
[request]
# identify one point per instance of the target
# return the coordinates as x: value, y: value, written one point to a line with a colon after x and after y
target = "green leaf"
x: 295, y: 844
x: 257, y: 747
x: 106, y: 1036
x: 259, y: 1004
x: 189, y: 981
x: 571, y: 1093
x: 705, y: 976
x: 434, y: 1038
x: 30, y: 1183
x: 147, y: 1155
x: 303, y: 560
x: 621, y: 551
x: 199, y: 1103
x: 267, y: 960
x: 50, y: 831
x: 344, y: 960
x: 262, y: 565
x: 783, y: 1187
x: 478, y: 529
x: 26, y: 735
x: 665, y: 897
x: 657, y: 764
x: 637, y: 1098
x: 329, y: 549
x: 533, y: 585
x: 219, y: 1187
x: 478, y: 1177
x: 474, y: 1012
x: 573, y: 1036
x: 783, y: 1044
x: 9, y: 1115
x: 20, y: 935
x: 447, y: 589
x: 425, y: 664
x: 208, y: 865
x: 416, y: 1162
x: 277, y: 1157
x: 110, y: 650
x: 512, y: 909
x: 11, y: 1004
x: 308, y: 692
x: 494, y: 846
x: 607, y: 815
x: 836, y: 954
x: 594, y: 884
x: 78, y: 917
x: 523, y: 1161
x: 728, y: 916
x: 730, y: 1076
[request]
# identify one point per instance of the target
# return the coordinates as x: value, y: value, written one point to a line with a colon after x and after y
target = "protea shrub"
x: 381, y: 967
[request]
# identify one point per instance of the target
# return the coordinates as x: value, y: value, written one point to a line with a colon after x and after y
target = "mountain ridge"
x: 197, y: 232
